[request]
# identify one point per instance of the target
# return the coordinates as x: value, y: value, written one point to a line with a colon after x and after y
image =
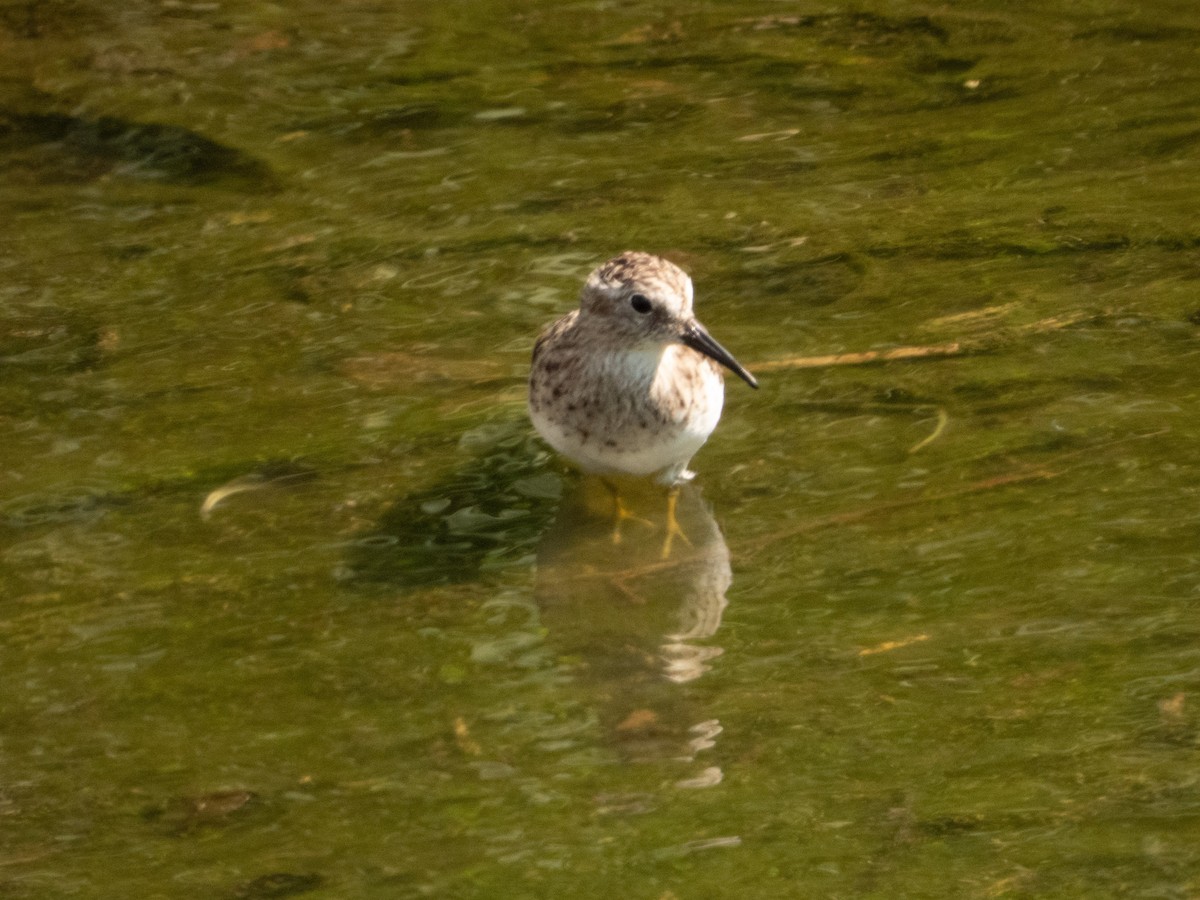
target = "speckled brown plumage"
x: 627, y: 383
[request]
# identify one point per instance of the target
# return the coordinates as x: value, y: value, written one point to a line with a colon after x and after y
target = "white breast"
x: 636, y: 413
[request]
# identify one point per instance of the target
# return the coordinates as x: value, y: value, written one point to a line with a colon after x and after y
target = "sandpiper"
x: 628, y: 383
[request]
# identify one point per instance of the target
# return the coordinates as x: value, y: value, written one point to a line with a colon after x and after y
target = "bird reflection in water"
x: 638, y: 625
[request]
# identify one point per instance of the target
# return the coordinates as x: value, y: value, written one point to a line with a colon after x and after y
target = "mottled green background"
x: 301, y: 250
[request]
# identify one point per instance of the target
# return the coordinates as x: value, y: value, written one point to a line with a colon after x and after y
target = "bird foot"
x: 621, y: 514
x: 673, y: 529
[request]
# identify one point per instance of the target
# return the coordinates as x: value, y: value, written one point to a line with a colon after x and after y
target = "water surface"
x: 935, y: 633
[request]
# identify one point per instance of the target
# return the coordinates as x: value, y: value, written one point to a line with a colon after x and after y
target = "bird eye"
x: 640, y: 303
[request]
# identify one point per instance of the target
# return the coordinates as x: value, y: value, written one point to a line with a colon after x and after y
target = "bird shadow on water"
x: 632, y: 619
x: 485, y: 515
x: 637, y: 622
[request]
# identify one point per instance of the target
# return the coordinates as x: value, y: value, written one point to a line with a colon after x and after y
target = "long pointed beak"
x: 697, y: 337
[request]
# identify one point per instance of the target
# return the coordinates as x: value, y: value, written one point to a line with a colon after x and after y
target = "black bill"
x: 697, y: 337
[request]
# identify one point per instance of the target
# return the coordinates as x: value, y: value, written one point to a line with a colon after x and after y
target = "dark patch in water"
x: 973, y: 247
x: 909, y: 151
x: 433, y: 77
x: 50, y: 18
x: 416, y: 116
x: 277, y: 884
x: 53, y: 341
x: 942, y: 65
x: 1138, y: 33
x: 478, y: 517
x: 184, y: 815
x: 72, y: 148
x: 1174, y: 144
x: 857, y: 28
x: 814, y: 282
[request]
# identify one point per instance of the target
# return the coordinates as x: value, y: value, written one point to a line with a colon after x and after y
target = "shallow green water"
x: 301, y: 251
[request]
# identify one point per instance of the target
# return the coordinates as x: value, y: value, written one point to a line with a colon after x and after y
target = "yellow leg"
x: 673, y: 529
x: 621, y: 513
